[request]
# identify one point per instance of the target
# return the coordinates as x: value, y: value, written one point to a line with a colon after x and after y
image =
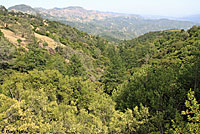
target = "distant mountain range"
x: 193, y: 18
x: 106, y: 24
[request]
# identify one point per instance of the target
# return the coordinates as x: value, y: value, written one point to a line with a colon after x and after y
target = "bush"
x: 19, y: 41
x: 1, y: 33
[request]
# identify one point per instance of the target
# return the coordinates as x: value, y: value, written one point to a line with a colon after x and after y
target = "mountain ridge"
x: 108, y: 24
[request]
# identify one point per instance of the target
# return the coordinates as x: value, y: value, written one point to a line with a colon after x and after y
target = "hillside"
x: 57, y: 79
x: 24, y: 29
x: 108, y: 25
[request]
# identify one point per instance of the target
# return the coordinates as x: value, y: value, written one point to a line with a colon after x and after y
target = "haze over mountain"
x: 106, y: 24
x: 193, y: 18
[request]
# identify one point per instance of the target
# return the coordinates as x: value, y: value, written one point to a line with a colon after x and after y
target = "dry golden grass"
x: 174, y: 30
x: 51, y: 43
x: 12, y: 37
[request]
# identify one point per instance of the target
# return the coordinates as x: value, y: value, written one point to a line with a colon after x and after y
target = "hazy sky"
x: 147, y: 7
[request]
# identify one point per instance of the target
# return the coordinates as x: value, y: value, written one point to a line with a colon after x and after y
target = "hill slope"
x: 24, y: 29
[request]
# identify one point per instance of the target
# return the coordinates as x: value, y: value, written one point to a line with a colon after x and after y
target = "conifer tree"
x: 192, y: 124
x: 115, y: 74
x: 75, y: 68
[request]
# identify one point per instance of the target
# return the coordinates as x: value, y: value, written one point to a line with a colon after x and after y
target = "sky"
x: 174, y: 8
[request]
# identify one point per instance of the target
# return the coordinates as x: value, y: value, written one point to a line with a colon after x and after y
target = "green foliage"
x: 115, y: 74
x: 130, y: 121
x: 86, y: 86
x: 19, y: 41
x: 45, y: 44
x: 75, y: 67
x: 57, y: 62
x: 1, y: 33
x: 45, y: 102
x: 40, y: 59
x: 7, y: 53
x: 192, y: 112
x: 3, y: 10
x: 17, y: 117
x: 163, y: 65
x: 89, y: 49
x: 29, y: 91
x: 35, y: 58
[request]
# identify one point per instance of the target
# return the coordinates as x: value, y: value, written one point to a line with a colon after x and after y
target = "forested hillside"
x: 57, y: 79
